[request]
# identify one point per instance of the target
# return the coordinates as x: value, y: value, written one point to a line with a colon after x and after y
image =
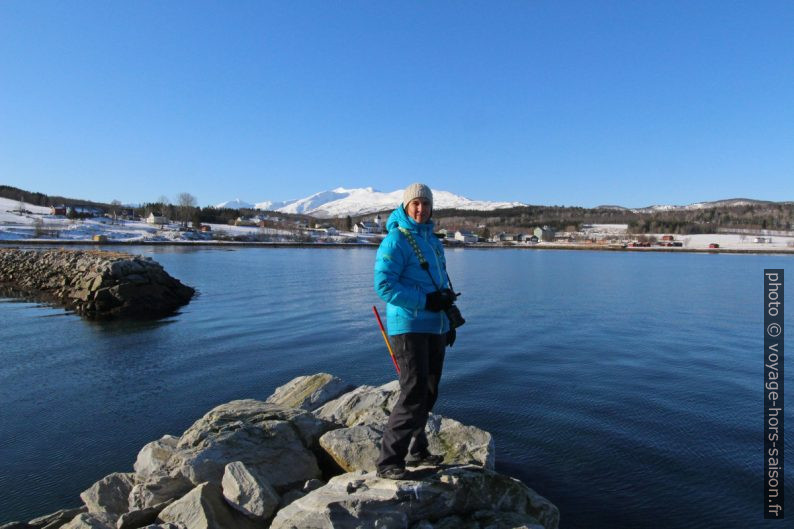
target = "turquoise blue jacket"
x: 402, y: 283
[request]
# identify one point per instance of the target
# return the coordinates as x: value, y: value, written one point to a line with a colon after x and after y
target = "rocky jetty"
x: 95, y: 284
x: 302, y: 459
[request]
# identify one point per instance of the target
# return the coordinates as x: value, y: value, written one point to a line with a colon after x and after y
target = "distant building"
x: 58, y: 210
x: 328, y: 231
x: 368, y: 227
x: 545, y: 233
x: 156, y: 219
x: 465, y: 236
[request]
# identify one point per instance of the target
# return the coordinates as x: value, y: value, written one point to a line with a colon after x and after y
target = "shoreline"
x: 343, y: 245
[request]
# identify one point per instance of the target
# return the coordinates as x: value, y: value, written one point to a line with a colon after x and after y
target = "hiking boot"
x: 426, y: 459
x: 391, y: 473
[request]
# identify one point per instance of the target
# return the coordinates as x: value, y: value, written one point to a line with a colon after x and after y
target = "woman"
x: 410, y: 276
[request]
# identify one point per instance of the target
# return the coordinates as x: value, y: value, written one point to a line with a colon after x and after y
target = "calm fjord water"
x: 625, y: 387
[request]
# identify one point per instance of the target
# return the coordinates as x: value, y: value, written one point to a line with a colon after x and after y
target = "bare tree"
x: 186, y: 202
x: 115, y: 205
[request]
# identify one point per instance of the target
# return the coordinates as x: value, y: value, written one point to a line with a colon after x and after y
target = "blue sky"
x: 574, y: 103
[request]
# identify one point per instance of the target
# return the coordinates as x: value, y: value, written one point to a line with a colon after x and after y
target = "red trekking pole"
x: 386, y: 338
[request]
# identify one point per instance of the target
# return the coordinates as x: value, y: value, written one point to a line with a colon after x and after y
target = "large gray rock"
x: 364, y: 405
x: 154, y: 456
x: 358, y: 447
x: 273, y: 440
x: 354, y: 448
x: 110, y: 495
x: 56, y: 519
x: 362, y: 500
x: 90, y: 521
x: 205, y: 508
x: 309, y: 392
x: 248, y: 491
x: 142, y: 517
x: 460, y: 444
x: 158, y: 489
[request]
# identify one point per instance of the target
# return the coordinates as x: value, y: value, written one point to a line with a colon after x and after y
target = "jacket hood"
x: 399, y: 218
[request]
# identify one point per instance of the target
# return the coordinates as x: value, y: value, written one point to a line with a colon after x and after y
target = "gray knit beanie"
x: 415, y: 191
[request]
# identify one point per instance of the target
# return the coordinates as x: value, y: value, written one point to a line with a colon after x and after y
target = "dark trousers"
x: 421, y: 359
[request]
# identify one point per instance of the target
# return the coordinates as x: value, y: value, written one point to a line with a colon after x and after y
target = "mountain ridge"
x: 340, y: 202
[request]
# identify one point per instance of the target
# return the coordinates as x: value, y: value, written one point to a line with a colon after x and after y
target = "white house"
x: 156, y: 219
x: 465, y: 236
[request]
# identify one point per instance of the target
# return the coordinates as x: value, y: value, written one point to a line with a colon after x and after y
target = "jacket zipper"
x: 441, y: 282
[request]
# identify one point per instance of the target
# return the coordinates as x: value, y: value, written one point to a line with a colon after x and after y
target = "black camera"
x: 455, y: 317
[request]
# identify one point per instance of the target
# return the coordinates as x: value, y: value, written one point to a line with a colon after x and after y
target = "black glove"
x: 440, y: 300
x: 451, y: 335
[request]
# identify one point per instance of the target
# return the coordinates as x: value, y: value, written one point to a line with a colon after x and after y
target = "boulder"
x: 361, y: 499
x: 110, y: 495
x: 354, y: 448
x: 309, y: 392
x: 89, y: 520
x: 273, y: 440
x: 154, y: 456
x: 56, y: 519
x: 358, y: 447
x: 15, y: 525
x: 204, y: 508
x: 247, y: 462
x: 248, y: 491
x: 142, y: 517
x: 460, y: 444
x: 158, y: 489
x: 364, y: 405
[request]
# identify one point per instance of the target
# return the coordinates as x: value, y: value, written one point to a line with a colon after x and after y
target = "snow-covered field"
x: 37, y: 223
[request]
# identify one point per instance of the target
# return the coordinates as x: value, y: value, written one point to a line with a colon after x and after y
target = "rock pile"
x: 259, y: 464
x: 95, y: 284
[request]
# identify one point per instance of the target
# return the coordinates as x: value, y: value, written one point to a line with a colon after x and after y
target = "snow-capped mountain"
x: 340, y: 202
x: 235, y: 204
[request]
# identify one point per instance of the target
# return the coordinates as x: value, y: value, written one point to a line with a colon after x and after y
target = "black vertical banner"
x: 773, y: 395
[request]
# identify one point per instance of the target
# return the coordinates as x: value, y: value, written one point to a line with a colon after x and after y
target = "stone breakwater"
x: 304, y: 458
x: 95, y: 284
